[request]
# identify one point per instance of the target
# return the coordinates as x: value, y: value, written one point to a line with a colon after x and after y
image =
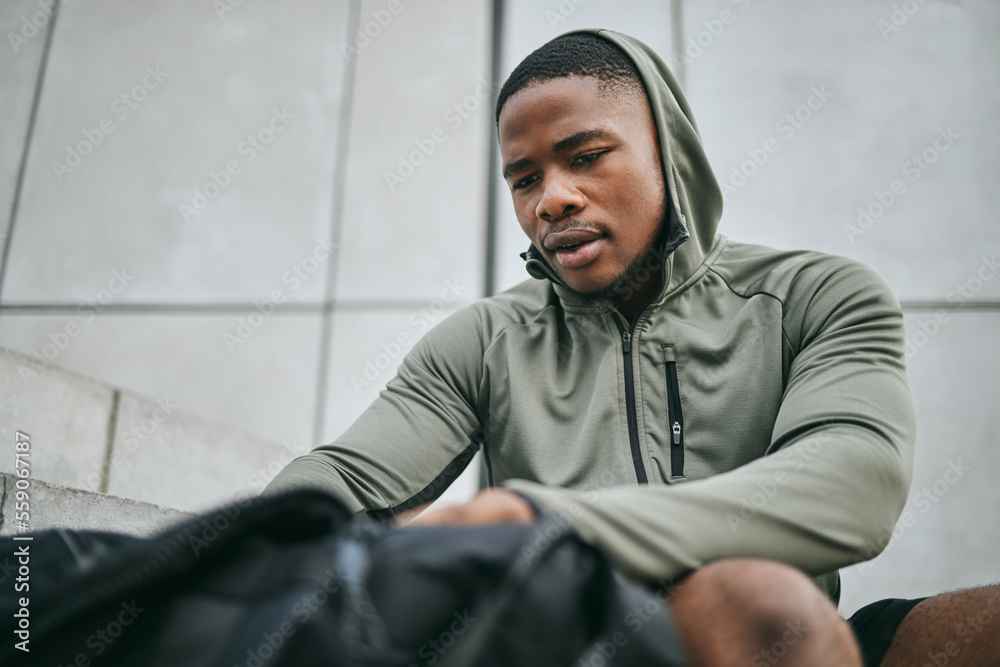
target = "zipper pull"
x: 677, y: 433
x: 626, y: 342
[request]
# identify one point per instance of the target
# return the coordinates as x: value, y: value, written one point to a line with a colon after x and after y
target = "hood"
x: 695, y: 204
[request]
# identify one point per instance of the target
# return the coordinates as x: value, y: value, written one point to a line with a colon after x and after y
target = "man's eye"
x: 587, y: 158
x: 524, y: 182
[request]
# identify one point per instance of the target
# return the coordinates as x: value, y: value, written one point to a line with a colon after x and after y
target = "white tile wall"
x: 24, y: 25
x: 888, y: 100
x: 402, y: 237
x: 949, y: 533
x: 257, y: 91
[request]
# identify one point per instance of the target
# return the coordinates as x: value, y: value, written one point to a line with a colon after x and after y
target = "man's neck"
x: 633, y: 298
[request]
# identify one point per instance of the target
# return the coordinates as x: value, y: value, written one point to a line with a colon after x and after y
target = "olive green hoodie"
x: 757, y: 407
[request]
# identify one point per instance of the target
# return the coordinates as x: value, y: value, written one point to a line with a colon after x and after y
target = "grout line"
x: 493, y: 155
x: 677, y: 37
x: 336, y: 226
x: 493, y: 176
x: 221, y: 308
x: 361, y: 306
x: 182, y: 308
x: 987, y: 305
x: 29, y: 134
x: 110, y: 445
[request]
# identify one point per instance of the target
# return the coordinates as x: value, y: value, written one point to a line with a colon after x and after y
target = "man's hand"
x: 489, y: 506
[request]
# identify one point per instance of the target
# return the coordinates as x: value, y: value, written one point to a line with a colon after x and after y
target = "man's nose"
x: 560, y: 198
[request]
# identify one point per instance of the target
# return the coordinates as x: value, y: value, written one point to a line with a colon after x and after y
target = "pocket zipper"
x: 676, y: 422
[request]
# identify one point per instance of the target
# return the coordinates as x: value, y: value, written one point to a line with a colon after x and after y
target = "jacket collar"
x: 664, y: 257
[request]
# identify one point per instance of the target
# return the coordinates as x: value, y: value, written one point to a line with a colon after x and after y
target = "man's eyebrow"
x: 515, y: 166
x: 574, y: 140
x: 567, y: 144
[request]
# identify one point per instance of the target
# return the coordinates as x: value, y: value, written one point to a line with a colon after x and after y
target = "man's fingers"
x: 490, y: 506
x: 409, y: 515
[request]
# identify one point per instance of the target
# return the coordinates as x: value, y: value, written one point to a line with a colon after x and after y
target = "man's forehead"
x: 562, y: 106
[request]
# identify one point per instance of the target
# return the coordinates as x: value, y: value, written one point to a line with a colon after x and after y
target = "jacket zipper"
x: 633, y: 423
x: 676, y: 422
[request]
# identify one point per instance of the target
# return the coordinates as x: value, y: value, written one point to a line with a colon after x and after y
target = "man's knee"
x: 759, y: 612
x: 778, y: 601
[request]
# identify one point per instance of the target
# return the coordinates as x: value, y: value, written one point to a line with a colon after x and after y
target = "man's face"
x: 584, y: 172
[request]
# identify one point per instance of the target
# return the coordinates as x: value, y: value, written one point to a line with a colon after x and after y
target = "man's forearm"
x: 819, y: 504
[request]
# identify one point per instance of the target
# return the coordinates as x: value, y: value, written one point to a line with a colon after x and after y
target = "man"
x: 698, y: 408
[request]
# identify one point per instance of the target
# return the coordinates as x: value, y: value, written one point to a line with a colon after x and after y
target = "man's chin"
x: 593, y: 294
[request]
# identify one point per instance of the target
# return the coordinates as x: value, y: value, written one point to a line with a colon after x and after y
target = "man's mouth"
x: 580, y: 254
x: 575, y: 247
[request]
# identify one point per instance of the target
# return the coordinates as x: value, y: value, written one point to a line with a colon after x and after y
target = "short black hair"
x: 576, y: 54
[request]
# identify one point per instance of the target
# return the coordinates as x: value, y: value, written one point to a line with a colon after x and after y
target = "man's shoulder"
x: 788, y: 275
x: 481, y: 322
x: 521, y: 304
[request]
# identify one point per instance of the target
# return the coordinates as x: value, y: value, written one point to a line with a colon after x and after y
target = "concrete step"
x: 54, y: 506
x: 86, y: 435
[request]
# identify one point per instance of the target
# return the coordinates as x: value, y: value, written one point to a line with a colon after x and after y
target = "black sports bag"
x: 295, y: 579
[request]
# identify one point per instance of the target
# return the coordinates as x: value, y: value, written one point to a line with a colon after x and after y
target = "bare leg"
x: 759, y: 613
x: 955, y: 629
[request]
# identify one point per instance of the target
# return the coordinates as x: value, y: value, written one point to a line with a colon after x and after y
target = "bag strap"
x: 477, y: 637
x: 659, y: 641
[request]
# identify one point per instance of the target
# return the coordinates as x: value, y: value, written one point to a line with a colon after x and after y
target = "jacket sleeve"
x: 416, y: 437
x: 836, y: 473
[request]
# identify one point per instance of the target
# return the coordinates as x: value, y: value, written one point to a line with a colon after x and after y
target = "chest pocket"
x: 675, y: 412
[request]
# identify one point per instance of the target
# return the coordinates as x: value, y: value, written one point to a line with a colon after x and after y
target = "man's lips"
x: 570, y: 237
x: 575, y: 248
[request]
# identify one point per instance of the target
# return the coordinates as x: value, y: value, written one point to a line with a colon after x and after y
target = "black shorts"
x: 876, y: 625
